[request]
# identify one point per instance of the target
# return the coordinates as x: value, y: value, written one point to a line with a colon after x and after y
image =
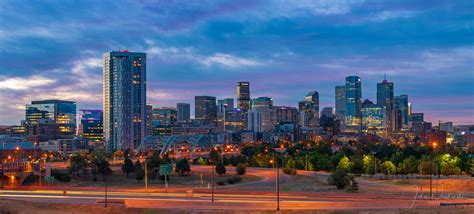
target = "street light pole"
x: 212, y: 183
x: 105, y: 201
x: 278, y: 185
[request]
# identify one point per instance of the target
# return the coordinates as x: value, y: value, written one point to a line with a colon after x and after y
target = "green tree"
x: 78, y: 163
x: 388, y: 168
x: 369, y: 164
x: 128, y: 166
x: 411, y: 165
x: 345, y: 164
x: 428, y: 167
x: 241, y: 169
x: 220, y: 169
x: 140, y: 174
x: 339, y: 178
x: 202, y: 161
x: 182, y: 167
x: 357, y: 165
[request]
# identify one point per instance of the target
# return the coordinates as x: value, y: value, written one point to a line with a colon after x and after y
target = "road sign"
x: 166, y: 169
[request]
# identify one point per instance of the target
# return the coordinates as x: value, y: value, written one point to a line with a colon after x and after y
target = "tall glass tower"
x: 124, y: 99
x: 385, y: 97
x: 60, y: 112
x: 353, y: 94
x: 309, y: 110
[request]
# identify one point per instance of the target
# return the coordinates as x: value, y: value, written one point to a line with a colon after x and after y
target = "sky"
x: 53, y: 50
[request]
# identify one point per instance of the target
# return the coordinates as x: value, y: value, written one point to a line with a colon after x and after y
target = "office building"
x: 92, y: 124
x: 60, y: 112
x: 261, y: 102
x: 149, y: 119
x: 353, y: 94
x: 327, y: 112
x: 243, y: 96
x: 164, y: 116
x: 205, y: 109
x: 385, y: 97
x: 183, y: 112
x: 309, y: 111
x: 340, y: 102
x: 373, y: 118
x: 401, y: 112
x: 124, y: 99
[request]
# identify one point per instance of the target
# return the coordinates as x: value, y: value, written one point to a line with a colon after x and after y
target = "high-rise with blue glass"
x: 353, y: 93
x: 92, y: 125
x: 124, y: 99
x: 59, y: 112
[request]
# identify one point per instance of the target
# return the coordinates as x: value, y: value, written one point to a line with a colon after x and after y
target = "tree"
x: 411, y: 165
x: 428, y: 167
x: 357, y: 165
x: 128, y: 166
x: 369, y: 164
x: 213, y: 156
x: 241, y: 169
x: 103, y: 167
x: 119, y: 153
x: 345, y: 164
x: 78, y: 163
x: 182, y: 167
x: 139, y: 172
x: 220, y: 169
x: 202, y: 161
x: 339, y: 178
x: 388, y: 168
x: 450, y: 168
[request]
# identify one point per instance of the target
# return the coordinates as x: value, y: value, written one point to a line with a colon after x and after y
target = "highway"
x: 234, y: 201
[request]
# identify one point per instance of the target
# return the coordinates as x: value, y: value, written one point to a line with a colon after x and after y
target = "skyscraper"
x: 164, y: 116
x: 309, y: 110
x: 401, y: 112
x: 385, y: 97
x: 59, y: 112
x: 183, y: 112
x: 353, y: 91
x: 205, y: 109
x: 340, y: 102
x: 149, y: 119
x: 262, y: 115
x: 124, y: 99
x: 243, y: 95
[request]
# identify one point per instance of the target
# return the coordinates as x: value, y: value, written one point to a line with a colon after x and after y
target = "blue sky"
x: 53, y: 49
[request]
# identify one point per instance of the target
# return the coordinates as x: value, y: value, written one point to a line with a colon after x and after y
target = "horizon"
x: 283, y: 50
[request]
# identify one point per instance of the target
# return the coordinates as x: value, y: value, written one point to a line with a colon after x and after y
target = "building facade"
x: 124, y: 99
x: 353, y: 102
x: 183, y: 112
x: 309, y: 111
x: 385, y: 97
x: 205, y: 109
x: 92, y: 124
x: 340, y: 103
x: 60, y: 112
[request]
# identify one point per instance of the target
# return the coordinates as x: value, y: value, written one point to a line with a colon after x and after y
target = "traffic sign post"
x: 166, y: 169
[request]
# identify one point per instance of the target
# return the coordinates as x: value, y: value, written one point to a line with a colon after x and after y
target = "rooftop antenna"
x: 385, y: 75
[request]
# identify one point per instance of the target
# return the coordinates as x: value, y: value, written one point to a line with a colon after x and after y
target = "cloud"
x: 229, y: 61
x: 388, y: 15
x: 24, y: 83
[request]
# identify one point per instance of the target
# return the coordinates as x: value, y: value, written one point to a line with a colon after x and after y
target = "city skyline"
x: 288, y: 48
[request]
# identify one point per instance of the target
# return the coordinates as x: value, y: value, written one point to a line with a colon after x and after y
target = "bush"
x: 289, y: 171
x: 339, y: 178
x: 241, y: 169
x: 220, y: 169
x: 61, y: 176
x: 234, y: 180
x: 220, y: 183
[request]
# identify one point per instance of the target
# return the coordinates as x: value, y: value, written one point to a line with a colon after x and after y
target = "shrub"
x: 61, y: 176
x: 234, y: 180
x: 241, y: 169
x: 289, y: 171
x: 220, y: 169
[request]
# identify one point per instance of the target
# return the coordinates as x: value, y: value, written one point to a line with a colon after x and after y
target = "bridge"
x: 21, y: 170
x: 177, y: 145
